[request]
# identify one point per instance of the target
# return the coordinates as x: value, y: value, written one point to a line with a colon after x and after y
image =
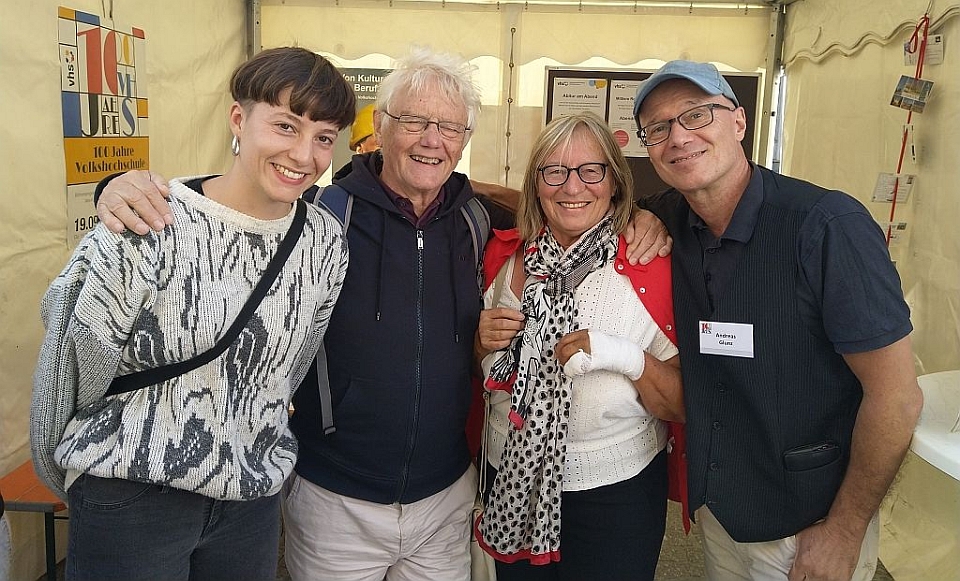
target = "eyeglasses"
x: 696, y: 118
x: 415, y: 124
x: 557, y: 175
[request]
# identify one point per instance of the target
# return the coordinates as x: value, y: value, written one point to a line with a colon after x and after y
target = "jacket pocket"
x: 810, y: 456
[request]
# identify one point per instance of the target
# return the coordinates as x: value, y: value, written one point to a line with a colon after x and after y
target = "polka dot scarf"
x: 522, y: 517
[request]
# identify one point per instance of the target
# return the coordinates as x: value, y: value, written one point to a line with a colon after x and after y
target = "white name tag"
x: 730, y: 339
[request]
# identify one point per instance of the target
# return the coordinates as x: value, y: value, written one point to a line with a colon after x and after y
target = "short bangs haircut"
x: 557, y: 136
x: 317, y: 89
x: 422, y: 70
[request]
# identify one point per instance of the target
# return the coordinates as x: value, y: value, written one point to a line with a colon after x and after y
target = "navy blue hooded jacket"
x: 399, y: 350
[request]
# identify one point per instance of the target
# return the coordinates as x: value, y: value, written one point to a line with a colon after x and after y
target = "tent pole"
x: 774, y: 62
x: 508, y: 105
x: 254, y: 44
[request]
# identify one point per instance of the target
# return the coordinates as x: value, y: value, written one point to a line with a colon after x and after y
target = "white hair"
x: 423, y: 69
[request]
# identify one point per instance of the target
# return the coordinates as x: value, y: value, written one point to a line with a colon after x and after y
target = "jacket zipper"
x: 412, y: 439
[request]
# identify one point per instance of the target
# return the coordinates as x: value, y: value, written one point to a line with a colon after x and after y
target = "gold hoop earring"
x: 235, y: 145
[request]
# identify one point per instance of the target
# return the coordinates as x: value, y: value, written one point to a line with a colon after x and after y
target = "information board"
x: 609, y: 93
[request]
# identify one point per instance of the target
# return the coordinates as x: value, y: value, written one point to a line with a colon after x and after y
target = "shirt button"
x: 721, y: 387
x: 716, y: 425
x: 714, y: 466
x: 641, y: 290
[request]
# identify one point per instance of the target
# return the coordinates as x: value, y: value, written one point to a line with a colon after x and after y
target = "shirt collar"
x: 745, y: 216
x: 403, y: 204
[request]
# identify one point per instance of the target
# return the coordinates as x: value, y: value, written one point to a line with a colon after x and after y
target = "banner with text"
x: 104, y: 108
x: 365, y: 83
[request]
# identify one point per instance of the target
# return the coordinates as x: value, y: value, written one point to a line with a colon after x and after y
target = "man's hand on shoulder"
x: 135, y: 200
x: 646, y: 237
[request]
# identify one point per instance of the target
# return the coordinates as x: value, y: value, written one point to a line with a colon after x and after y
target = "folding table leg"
x: 51, y: 538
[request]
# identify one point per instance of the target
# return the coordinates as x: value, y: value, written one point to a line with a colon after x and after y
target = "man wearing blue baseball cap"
x: 799, y: 385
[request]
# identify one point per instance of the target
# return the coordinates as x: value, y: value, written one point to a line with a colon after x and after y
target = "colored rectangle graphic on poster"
x: 104, y: 107
x: 95, y: 158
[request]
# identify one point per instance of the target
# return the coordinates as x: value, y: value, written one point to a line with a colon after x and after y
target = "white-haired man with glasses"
x: 799, y: 384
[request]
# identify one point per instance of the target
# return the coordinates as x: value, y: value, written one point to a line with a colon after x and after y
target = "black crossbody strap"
x: 140, y: 379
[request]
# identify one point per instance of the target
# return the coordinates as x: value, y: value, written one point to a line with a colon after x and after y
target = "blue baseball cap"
x: 704, y: 75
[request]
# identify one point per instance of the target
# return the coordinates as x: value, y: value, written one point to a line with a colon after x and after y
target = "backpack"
x: 339, y: 202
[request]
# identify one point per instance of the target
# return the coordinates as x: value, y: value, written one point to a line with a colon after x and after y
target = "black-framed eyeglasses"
x: 416, y: 124
x: 696, y: 118
x: 557, y: 175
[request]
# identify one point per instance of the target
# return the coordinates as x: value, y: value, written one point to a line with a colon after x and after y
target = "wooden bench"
x: 23, y: 491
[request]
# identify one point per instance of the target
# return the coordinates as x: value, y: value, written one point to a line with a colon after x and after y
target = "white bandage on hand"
x: 608, y: 352
x: 579, y: 363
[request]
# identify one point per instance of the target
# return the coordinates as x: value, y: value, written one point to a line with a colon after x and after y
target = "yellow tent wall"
x: 192, y: 47
x: 843, y: 62
x: 839, y: 129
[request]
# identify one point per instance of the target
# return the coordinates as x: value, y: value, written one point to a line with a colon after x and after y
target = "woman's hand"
x: 584, y: 351
x: 135, y: 200
x: 571, y: 344
x: 657, y: 382
x: 497, y: 328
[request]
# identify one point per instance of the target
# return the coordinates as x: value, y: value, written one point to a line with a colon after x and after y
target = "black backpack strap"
x: 340, y: 203
x: 312, y: 193
x: 323, y: 387
x: 478, y: 220
x: 140, y: 379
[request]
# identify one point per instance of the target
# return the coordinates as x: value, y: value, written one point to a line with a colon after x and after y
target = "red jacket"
x: 653, y: 277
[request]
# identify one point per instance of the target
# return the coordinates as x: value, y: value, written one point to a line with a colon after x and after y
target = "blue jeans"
x: 130, y: 531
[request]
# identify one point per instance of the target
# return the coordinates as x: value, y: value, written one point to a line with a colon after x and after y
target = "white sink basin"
x: 937, y: 437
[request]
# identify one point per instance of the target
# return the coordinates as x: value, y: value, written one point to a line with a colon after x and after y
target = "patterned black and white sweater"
x: 126, y: 303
